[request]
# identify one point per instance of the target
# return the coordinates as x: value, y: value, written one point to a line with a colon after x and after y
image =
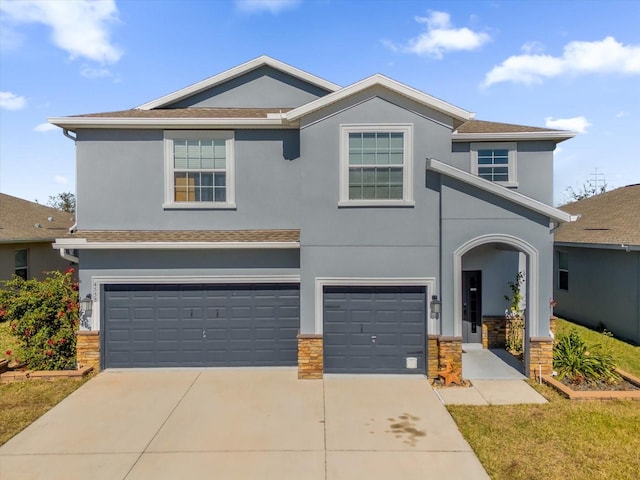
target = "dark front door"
x: 472, y: 306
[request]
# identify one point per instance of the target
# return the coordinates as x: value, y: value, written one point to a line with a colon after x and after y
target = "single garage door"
x: 374, y: 330
x: 200, y: 325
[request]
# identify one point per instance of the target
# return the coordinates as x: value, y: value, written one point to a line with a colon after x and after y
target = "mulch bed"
x: 622, y: 386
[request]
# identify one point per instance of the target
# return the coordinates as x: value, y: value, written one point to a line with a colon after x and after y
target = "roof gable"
x: 458, y: 114
x: 24, y: 221
x: 611, y: 218
x: 234, y: 73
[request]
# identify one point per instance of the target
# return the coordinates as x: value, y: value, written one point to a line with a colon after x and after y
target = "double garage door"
x: 366, y: 329
x: 200, y: 325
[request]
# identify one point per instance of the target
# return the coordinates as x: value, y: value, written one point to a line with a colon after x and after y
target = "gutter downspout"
x: 65, y: 132
x: 68, y: 256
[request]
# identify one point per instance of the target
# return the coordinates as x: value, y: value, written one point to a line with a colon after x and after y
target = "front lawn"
x: 22, y: 403
x: 561, y: 439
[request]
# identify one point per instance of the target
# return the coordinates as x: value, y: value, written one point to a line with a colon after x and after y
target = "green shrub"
x: 43, y: 316
x: 578, y: 362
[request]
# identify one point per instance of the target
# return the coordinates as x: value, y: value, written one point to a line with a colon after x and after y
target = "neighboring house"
x: 266, y: 216
x: 27, y: 231
x: 597, y: 263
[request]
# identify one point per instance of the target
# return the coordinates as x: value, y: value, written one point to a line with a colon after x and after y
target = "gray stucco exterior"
x: 289, y: 177
x: 604, y: 289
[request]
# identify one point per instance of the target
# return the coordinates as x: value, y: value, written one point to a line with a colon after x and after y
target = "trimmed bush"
x: 43, y: 316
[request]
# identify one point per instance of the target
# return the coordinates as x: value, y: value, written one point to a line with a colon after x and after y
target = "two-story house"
x: 266, y: 216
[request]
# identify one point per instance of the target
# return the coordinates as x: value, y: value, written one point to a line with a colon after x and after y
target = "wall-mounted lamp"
x: 435, y: 306
x: 86, y: 307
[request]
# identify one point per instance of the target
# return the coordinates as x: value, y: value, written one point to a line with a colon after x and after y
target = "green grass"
x: 627, y: 355
x: 22, y: 403
x: 561, y: 439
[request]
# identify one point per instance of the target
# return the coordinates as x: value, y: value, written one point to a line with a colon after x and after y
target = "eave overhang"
x: 557, y: 136
x: 83, y: 244
x: 500, y: 191
x: 73, y: 123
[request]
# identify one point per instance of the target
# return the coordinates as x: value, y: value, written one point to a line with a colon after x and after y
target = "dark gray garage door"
x: 374, y: 329
x: 200, y: 325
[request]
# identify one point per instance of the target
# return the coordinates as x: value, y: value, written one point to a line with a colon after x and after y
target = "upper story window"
x: 375, y: 165
x: 495, y: 162
x: 563, y: 271
x: 22, y: 263
x: 199, y: 169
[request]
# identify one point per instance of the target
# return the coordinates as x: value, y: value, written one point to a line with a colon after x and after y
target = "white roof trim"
x: 82, y: 244
x: 236, y: 72
x: 559, y: 136
x: 386, y: 82
x: 500, y: 191
x: 124, y: 122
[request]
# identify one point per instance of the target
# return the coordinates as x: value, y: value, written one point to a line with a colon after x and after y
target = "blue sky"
x: 563, y: 64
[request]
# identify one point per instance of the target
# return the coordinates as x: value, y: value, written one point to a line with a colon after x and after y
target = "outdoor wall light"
x: 86, y: 305
x: 434, y: 306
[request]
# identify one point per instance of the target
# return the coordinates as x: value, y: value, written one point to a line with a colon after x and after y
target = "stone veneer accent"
x: 432, y: 356
x: 88, y: 349
x: 450, y: 351
x: 494, y: 332
x: 310, y: 356
x: 553, y: 323
x: 540, y: 354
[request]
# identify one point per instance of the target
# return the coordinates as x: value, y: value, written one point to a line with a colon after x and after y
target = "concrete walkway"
x: 496, y: 379
x: 240, y: 424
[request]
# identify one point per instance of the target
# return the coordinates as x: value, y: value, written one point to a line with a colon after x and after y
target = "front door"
x: 472, y: 306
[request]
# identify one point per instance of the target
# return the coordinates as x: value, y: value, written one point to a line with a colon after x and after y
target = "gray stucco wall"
x: 263, y: 87
x: 468, y: 213
x: 42, y: 258
x: 534, y: 167
x: 604, y: 290
x: 122, y: 182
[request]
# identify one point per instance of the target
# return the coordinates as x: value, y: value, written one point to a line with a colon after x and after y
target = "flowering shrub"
x: 43, y: 316
x: 515, y: 317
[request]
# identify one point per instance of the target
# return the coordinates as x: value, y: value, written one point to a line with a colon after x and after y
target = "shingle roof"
x: 192, y: 112
x: 249, y: 236
x: 18, y: 220
x: 482, y: 126
x: 611, y: 218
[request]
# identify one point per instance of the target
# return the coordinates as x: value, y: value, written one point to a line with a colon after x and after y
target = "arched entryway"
x: 499, y: 242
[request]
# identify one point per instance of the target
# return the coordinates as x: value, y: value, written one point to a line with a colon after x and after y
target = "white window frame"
x: 512, y: 165
x: 407, y: 164
x: 169, y: 198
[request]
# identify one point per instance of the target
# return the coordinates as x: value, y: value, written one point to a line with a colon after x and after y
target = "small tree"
x: 43, y: 316
x: 65, y: 201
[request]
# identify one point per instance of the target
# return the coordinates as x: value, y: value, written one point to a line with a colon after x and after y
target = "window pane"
x: 21, y: 258
x: 220, y: 194
x: 396, y: 158
x: 355, y: 176
x: 206, y: 149
x: 397, y: 141
x: 369, y: 140
x: 220, y: 179
x: 206, y: 179
x: 395, y: 192
x: 382, y: 159
x: 355, y: 158
x: 369, y: 176
x: 205, y: 194
x: 369, y: 158
x: 355, y: 192
x: 368, y: 192
x: 395, y: 176
x: 563, y: 261
x: 355, y: 141
x: 383, y: 142
x: 382, y: 192
x: 563, y: 280
x: 382, y: 176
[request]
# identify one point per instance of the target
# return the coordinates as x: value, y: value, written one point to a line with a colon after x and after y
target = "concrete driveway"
x: 241, y: 424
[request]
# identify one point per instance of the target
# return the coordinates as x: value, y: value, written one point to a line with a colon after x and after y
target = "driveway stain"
x: 405, y: 427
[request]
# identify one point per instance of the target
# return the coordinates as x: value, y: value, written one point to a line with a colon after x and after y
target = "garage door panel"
x: 374, y: 329
x: 162, y: 325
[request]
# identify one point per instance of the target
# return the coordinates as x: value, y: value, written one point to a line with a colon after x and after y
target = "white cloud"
x: 44, y: 127
x: 272, y: 6
x: 11, y: 101
x: 441, y: 37
x: 60, y: 180
x: 578, y: 58
x: 575, y: 124
x: 90, y: 72
x: 622, y: 114
x: 80, y: 27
